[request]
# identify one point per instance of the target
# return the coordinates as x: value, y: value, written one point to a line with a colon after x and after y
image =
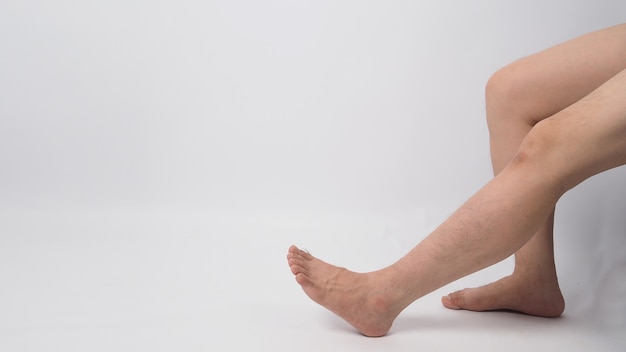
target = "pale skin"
x: 555, y: 119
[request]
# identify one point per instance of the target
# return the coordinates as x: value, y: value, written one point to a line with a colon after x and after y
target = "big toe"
x: 454, y: 300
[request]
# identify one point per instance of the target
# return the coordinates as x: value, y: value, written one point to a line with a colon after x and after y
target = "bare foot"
x: 357, y: 298
x: 516, y: 292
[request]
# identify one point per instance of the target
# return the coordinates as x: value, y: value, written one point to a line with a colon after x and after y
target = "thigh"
x: 551, y: 80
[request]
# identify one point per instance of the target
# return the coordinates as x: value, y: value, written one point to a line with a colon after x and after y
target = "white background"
x: 158, y: 157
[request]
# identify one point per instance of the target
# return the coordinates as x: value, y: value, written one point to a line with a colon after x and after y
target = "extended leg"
x: 519, y: 96
x: 559, y: 153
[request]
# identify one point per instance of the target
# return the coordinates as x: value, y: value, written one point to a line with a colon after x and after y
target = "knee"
x: 543, y: 153
x: 508, y: 94
x: 540, y: 143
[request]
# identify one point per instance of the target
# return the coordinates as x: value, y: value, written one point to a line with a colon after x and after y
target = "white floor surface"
x: 174, y: 280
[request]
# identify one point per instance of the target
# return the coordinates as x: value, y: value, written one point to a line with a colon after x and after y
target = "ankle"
x: 540, y: 276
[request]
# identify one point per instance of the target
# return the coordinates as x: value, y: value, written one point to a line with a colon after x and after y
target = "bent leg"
x: 560, y: 152
x: 518, y: 96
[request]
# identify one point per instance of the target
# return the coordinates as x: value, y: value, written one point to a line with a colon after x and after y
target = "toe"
x: 297, y: 269
x: 299, y: 253
x: 297, y: 261
x: 302, y: 279
x: 452, y: 301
